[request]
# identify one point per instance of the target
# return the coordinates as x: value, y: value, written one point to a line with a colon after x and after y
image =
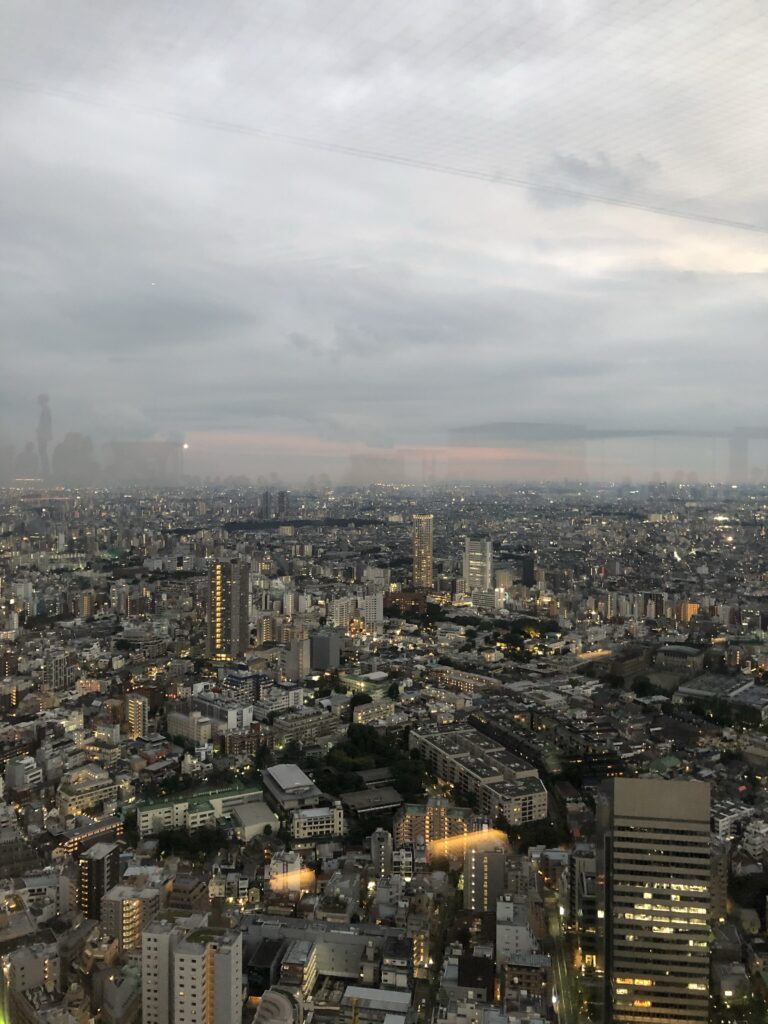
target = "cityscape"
x: 384, y: 754
x: 383, y: 512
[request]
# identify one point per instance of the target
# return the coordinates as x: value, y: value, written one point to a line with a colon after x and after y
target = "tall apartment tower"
x: 653, y: 900
x: 484, y: 876
x: 423, y: 539
x: 227, y: 610
x: 126, y: 911
x: 137, y: 715
x: 478, y: 564
x: 192, y: 973
x: 98, y: 872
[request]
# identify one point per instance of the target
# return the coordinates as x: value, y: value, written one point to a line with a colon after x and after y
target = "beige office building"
x: 654, y: 853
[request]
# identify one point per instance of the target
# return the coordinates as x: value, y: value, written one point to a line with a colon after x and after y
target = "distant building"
x: 228, y: 585
x: 325, y: 650
x: 423, y: 543
x: 478, y: 564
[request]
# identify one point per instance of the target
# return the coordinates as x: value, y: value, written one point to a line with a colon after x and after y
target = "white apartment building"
x: 191, y: 973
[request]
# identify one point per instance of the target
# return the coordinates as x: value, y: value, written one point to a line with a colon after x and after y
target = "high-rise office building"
x: 653, y: 876
x: 227, y: 610
x: 191, y: 973
x: 478, y: 564
x: 484, y: 872
x: 525, y: 564
x: 137, y: 715
x: 423, y: 526
x: 98, y: 871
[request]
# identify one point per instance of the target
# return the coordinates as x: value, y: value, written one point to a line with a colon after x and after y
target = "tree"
x: 643, y: 687
x: 394, y: 691
x: 360, y: 698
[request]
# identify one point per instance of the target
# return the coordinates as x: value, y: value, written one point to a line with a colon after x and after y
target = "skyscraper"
x: 478, y: 564
x: 422, y: 551
x: 227, y: 610
x: 653, y: 876
x: 137, y: 715
x: 484, y: 870
x: 98, y: 870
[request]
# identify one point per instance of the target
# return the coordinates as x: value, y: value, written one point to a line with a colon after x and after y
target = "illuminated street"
x: 564, y: 987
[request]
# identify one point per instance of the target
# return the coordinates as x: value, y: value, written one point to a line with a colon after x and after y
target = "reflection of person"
x: 44, y: 435
x: 26, y: 466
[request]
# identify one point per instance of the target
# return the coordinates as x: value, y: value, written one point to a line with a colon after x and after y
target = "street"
x: 566, y: 999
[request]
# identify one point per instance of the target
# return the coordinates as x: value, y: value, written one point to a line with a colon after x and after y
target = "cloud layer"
x: 174, y: 266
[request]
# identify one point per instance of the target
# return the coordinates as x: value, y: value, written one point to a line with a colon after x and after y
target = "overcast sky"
x: 195, y: 246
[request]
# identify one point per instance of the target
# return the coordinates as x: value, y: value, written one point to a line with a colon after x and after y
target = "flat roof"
x: 289, y: 777
x: 371, y: 799
x: 384, y: 998
x: 253, y: 813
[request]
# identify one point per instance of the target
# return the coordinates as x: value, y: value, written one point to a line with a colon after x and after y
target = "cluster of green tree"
x: 754, y: 1010
x: 643, y: 687
x: 722, y: 713
x: 550, y: 832
x: 364, y: 748
x: 173, y: 784
x: 749, y: 890
x: 199, y: 845
x: 131, y: 828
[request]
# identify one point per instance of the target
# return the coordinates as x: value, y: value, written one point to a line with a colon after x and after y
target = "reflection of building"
x: 654, y: 878
x: 423, y: 541
x: 227, y: 610
x: 157, y: 462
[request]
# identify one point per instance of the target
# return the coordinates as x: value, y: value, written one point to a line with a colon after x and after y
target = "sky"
x: 344, y: 236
